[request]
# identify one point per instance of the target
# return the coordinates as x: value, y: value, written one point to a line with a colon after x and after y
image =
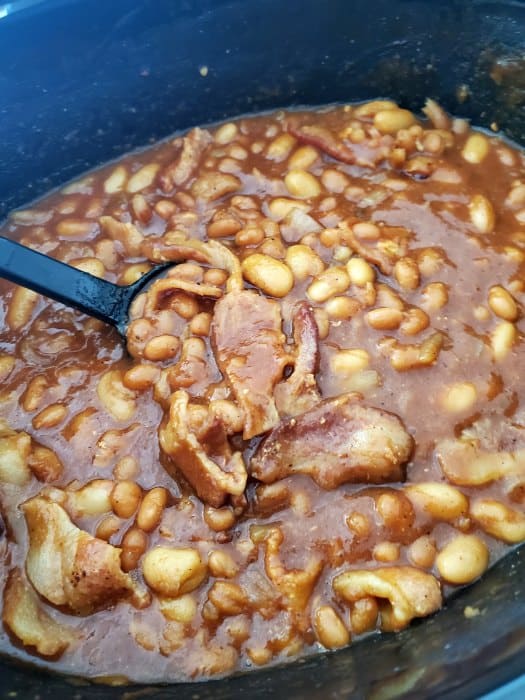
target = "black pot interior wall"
x: 83, y: 82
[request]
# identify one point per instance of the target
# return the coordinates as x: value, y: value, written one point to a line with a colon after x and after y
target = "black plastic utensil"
x: 54, y: 279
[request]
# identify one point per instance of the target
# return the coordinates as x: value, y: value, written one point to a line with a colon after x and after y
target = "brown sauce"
x: 317, y: 428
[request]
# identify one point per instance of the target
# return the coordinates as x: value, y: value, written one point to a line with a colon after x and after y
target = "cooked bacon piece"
x: 204, y: 457
x: 179, y: 248
x: 25, y: 618
x: 383, y: 252
x: 300, y: 392
x: 337, y: 441
x: 295, y: 585
x: 323, y: 139
x: 404, y: 591
x: 249, y: 349
x: 68, y: 566
x: 191, y: 148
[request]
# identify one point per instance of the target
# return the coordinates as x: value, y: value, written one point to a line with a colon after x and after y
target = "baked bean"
x: 482, y: 214
x: 172, y: 572
x: 370, y: 109
x: 226, y: 133
x: 520, y: 216
x: 181, y: 609
x: 151, y: 508
x: 429, y: 261
x: 384, y: 318
x: 405, y: 357
x: 21, y: 307
x: 359, y: 524
x: 388, y: 298
x: 435, y: 296
x: 476, y: 148
x: 141, y: 377
x: 364, y: 614
x: 516, y: 196
x: 341, y: 254
x: 117, y: 399
x: 303, y: 158
x: 116, y: 181
x: 108, y: 527
x: 134, y: 544
x: 329, y: 237
x: 329, y: 283
x: 92, y: 499
x: 141, y: 209
x: 349, y: 361
x: 228, y: 598
x: 75, y: 228
x: 422, y: 552
x: 302, y: 184
x: 7, y: 364
x: 224, y: 227
x: 251, y: 235
x: 272, y: 276
x: 498, y: 520
x: 342, y: 307
x: 219, y: 519
x: 415, y: 320
x: 33, y: 396
x: 162, y: 347
x: 388, y: 121
x: 329, y: 628
x: 502, y: 303
x: 459, y: 397
x: 222, y: 565
x: 386, y: 552
x: 49, y: 417
x: 441, y: 501
x: 366, y: 231
x: 200, y: 324
x: 502, y: 339
x: 334, y: 181
x: 273, y: 248
x: 125, y: 498
x: 92, y: 266
x: 281, y: 147
x: 323, y: 323
x: 281, y: 207
x: 143, y: 178
x: 126, y: 468
x: 106, y: 252
x: 406, y: 273
x: 303, y: 262
x: 214, y: 276
x: 360, y: 272
x: 514, y: 254
x: 463, y: 559
x: 134, y: 272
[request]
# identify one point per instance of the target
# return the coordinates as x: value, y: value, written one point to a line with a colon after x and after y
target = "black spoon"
x: 93, y: 296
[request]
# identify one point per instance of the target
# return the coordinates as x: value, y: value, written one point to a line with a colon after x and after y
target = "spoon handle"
x: 52, y: 278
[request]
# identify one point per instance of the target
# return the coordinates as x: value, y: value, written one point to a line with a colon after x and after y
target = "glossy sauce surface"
x: 316, y: 429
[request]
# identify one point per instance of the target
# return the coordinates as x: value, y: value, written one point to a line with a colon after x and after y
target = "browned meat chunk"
x: 68, y: 566
x: 248, y: 343
x: 300, y: 392
x: 215, y: 472
x: 24, y: 617
x: 191, y: 148
x: 384, y: 252
x: 338, y: 441
x: 323, y: 139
